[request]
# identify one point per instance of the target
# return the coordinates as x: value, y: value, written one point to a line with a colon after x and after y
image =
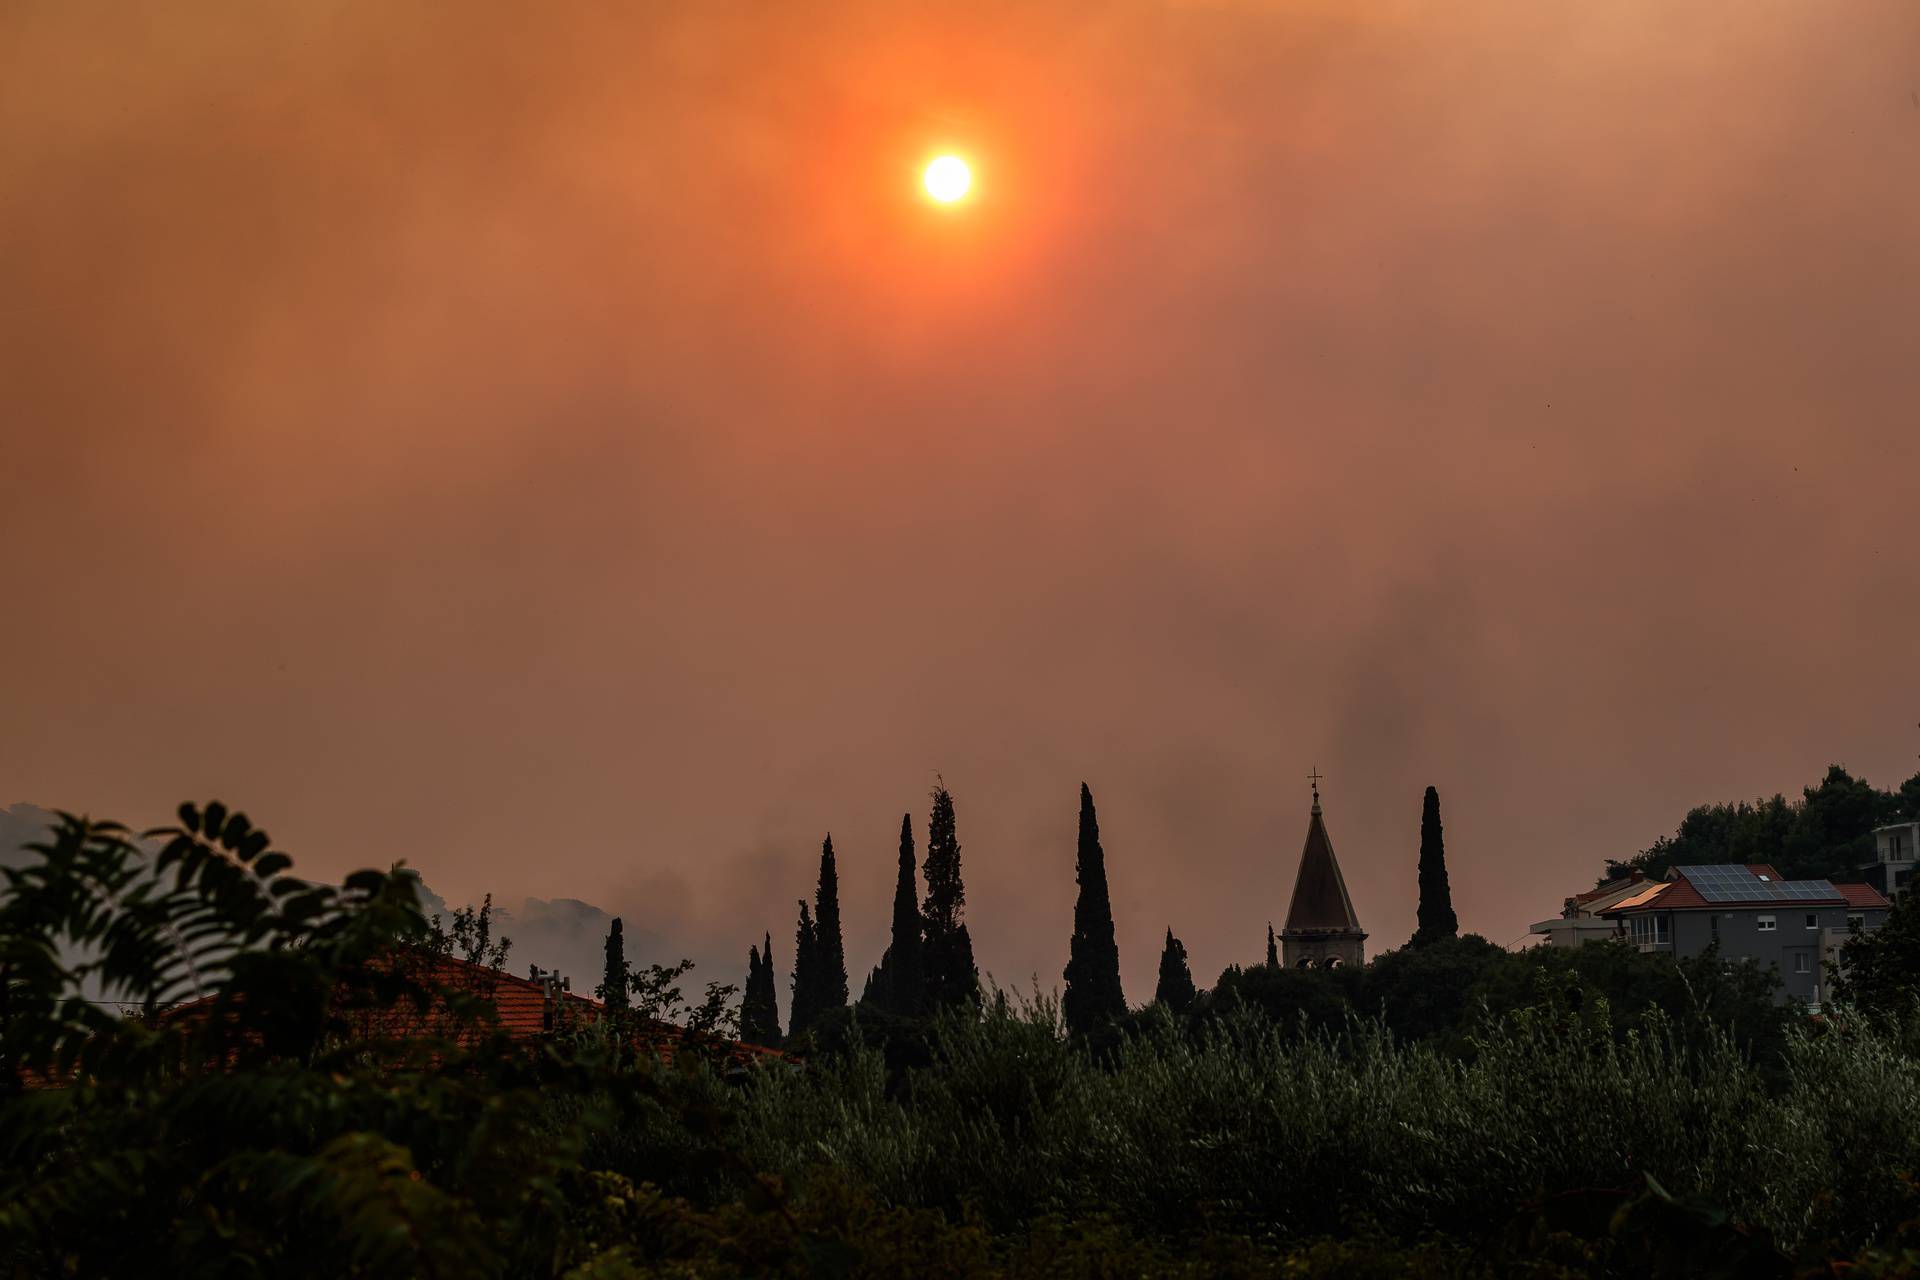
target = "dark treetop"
x: 1437, y: 919
x: 1093, y: 996
x: 1175, y: 990
x: 904, y: 992
x: 806, y: 998
x: 831, y: 951
x: 613, y: 981
x: 946, y: 955
x: 759, y: 1002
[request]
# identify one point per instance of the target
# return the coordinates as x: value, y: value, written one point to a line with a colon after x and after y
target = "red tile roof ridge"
x: 523, y: 1011
x: 1862, y: 895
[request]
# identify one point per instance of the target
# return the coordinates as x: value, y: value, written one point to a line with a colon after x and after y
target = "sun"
x: 947, y: 179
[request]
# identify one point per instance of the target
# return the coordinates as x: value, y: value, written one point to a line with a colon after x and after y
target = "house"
x: 524, y: 1008
x: 1580, y: 920
x: 1896, y: 850
x: 1796, y: 927
x: 543, y: 1003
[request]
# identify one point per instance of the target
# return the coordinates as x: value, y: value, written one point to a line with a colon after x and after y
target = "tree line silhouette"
x: 928, y: 964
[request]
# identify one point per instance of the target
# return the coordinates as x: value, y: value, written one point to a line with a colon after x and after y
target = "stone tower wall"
x: 1315, y: 950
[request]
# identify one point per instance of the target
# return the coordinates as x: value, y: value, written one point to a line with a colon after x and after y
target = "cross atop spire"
x: 1314, y: 778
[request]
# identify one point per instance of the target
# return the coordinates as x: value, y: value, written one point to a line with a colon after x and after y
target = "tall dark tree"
x: 830, y: 953
x: 1273, y: 952
x: 806, y: 999
x: 904, y: 990
x: 1093, y: 997
x: 1880, y: 972
x: 946, y: 953
x: 1436, y: 899
x: 613, y: 981
x: 749, y: 996
x: 1176, y: 990
x: 759, y: 1006
x: 1906, y: 801
x: 769, y: 993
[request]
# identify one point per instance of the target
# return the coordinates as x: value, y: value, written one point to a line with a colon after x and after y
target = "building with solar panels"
x: 1795, y: 926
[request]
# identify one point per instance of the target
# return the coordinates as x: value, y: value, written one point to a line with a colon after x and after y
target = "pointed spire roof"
x: 1320, y: 900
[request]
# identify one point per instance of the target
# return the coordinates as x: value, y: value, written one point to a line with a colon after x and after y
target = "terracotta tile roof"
x: 522, y: 1009
x: 1863, y: 895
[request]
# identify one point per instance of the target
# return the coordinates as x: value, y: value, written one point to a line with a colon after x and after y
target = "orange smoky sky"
x: 560, y: 446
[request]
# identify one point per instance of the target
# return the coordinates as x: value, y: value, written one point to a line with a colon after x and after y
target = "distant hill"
x: 21, y: 825
x: 562, y: 934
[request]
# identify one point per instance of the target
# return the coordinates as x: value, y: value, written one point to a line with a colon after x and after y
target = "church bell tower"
x: 1322, y: 931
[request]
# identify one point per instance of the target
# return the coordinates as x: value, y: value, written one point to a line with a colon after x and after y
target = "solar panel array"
x: 1737, y: 884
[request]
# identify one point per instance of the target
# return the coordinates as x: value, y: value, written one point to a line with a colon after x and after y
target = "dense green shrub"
x: 317, y: 1108
x: 1252, y: 1128
x: 1446, y: 992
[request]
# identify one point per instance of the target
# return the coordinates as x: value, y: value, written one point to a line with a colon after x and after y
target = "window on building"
x: 1766, y: 924
x: 1901, y: 877
x: 1648, y: 928
x: 1713, y: 927
x: 1803, y: 963
x: 1813, y: 920
x: 1898, y: 846
x: 1856, y: 923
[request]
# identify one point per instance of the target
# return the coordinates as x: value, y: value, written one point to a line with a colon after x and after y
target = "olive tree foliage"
x: 656, y: 997
x: 1880, y: 971
x: 469, y: 936
x: 1289, y: 1135
x: 288, y: 1092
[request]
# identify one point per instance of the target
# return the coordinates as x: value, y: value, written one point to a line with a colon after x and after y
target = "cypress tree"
x: 1437, y: 919
x: 1273, y: 952
x: 750, y: 1011
x: 769, y: 994
x: 829, y: 952
x: 613, y: 981
x: 1093, y: 996
x: 903, y: 992
x: 946, y: 954
x: 759, y: 1004
x: 1176, y: 989
x: 805, y: 999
